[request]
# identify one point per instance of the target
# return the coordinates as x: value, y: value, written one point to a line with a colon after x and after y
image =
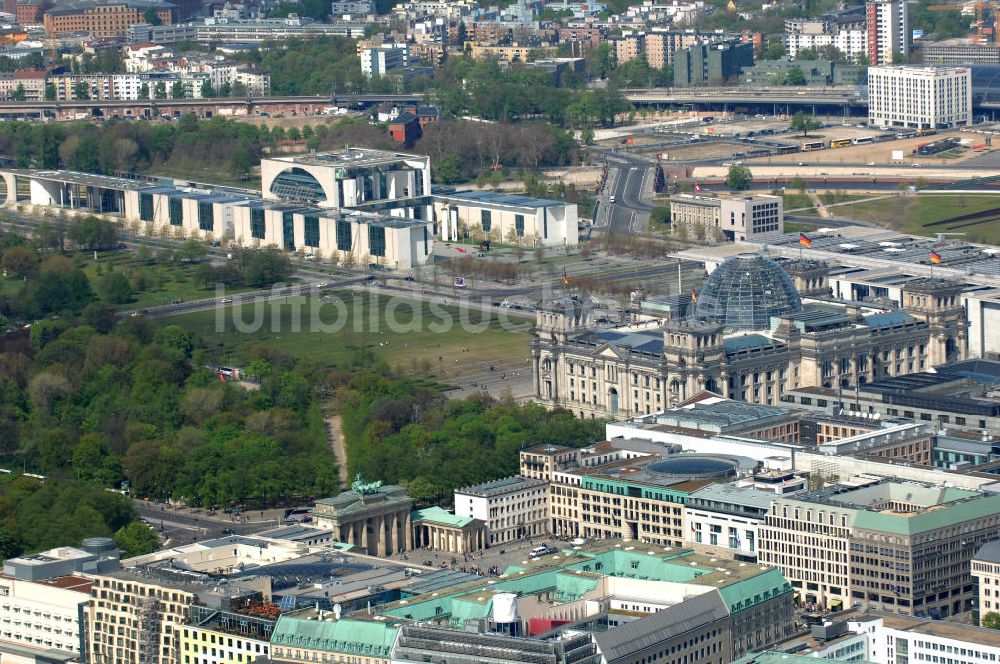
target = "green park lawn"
x: 799, y: 201
x: 154, y: 282
x: 912, y: 214
x: 416, y: 347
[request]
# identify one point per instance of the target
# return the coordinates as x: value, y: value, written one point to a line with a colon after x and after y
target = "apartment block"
x: 888, y: 30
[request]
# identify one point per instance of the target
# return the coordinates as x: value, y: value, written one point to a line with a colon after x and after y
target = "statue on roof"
x: 363, y: 488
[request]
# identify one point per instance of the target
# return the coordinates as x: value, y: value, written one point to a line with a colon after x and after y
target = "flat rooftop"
x: 81, y: 179
x: 499, y: 199
x: 501, y: 486
x: 349, y: 157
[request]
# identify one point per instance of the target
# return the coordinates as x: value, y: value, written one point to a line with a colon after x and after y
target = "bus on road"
x: 864, y: 140
x: 841, y: 143
x: 815, y: 145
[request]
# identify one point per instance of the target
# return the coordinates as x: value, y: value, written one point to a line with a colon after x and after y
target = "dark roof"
x: 981, y: 371
x: 623, y: 642
x: 404, y: 118
x: 989, y: 552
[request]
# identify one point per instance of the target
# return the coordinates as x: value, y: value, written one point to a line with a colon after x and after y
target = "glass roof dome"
x: 745, y: 291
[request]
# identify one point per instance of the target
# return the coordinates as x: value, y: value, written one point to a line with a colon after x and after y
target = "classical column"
x: 364, y: 535
x: 407, y: 530
x: 379, y: 523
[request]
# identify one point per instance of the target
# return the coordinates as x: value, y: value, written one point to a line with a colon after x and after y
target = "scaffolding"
x: 149, y: 614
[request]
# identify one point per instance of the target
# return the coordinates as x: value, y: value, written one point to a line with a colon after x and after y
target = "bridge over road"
x: 206, y: 108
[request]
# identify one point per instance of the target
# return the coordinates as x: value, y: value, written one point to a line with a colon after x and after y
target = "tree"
x: 799, y: 184
x: 81, y: 90
x: 115, y: 288
x: 50, y: 92
x: 150, y: 16
x: 177, y: 90
x: 136, y: 539
x: 19, y: 94
x: 92, y: 233
x: 795, y: 76
x: 587, y: 135
x: 804, y: 123
x: 238, y: 89
x: 739, y: 178
x: 160, y: 91
x: 144, y: 91
x: 192, y: 251
x: 774, y: 50
x: 20, y: 262
x: 991, y: 620
x: 206, y: 89
x: 448, y: 169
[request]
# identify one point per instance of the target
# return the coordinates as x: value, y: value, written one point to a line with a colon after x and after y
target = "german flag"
x: 805, y: 241
x: 694, y: 296
x: 935, y: 257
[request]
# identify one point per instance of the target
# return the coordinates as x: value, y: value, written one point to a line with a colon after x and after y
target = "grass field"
x: 799, y: 201
x: 833, y: 197
x: 419, y: 342
x: 912, y: 214
x: 153, y: 282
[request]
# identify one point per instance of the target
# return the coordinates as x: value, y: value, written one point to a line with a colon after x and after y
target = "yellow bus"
x: 841, y: 143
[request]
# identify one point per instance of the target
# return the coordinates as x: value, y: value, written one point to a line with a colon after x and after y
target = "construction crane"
x: 984, y: 32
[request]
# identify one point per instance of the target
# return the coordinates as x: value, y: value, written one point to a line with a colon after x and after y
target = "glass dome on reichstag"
x: 745, y: 291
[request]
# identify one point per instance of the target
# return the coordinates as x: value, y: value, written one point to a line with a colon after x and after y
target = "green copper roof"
x: 355, y: 637
x: 640, y: 565
x: 441, y: 517
x: 571, y: 586
x: 932, y: 519
x: 751, y: 591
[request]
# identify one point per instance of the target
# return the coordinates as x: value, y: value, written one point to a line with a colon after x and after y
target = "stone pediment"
x: 612, y: 352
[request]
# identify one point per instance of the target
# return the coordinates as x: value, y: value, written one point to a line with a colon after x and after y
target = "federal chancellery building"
x: 755, y: 330
x: 360, y: 205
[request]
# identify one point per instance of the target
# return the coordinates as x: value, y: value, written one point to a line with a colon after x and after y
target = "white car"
x: 579, y: 541
x: 611, y: 199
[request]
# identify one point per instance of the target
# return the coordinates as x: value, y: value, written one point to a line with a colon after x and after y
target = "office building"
x: 751, y: 339
x: 314, y: 639
x: 213, y: 636
x: 509, y: 218
x: 735, y: 218
x: 393, y: 182
x: 920, y: 97
x: 724, y: 519
x: 351, y: 237
x: 986, y: 571
x: 96, y: 555
x: 960, y: 52
x: 902, y: 547
x: 154, y: 610
x: 380, y: 60
x: 888, y: 28
x: 352, y: 8
x: 711, y: 64
x: 513, y: 508
x: 106, y: 19
x: 43, y: 619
